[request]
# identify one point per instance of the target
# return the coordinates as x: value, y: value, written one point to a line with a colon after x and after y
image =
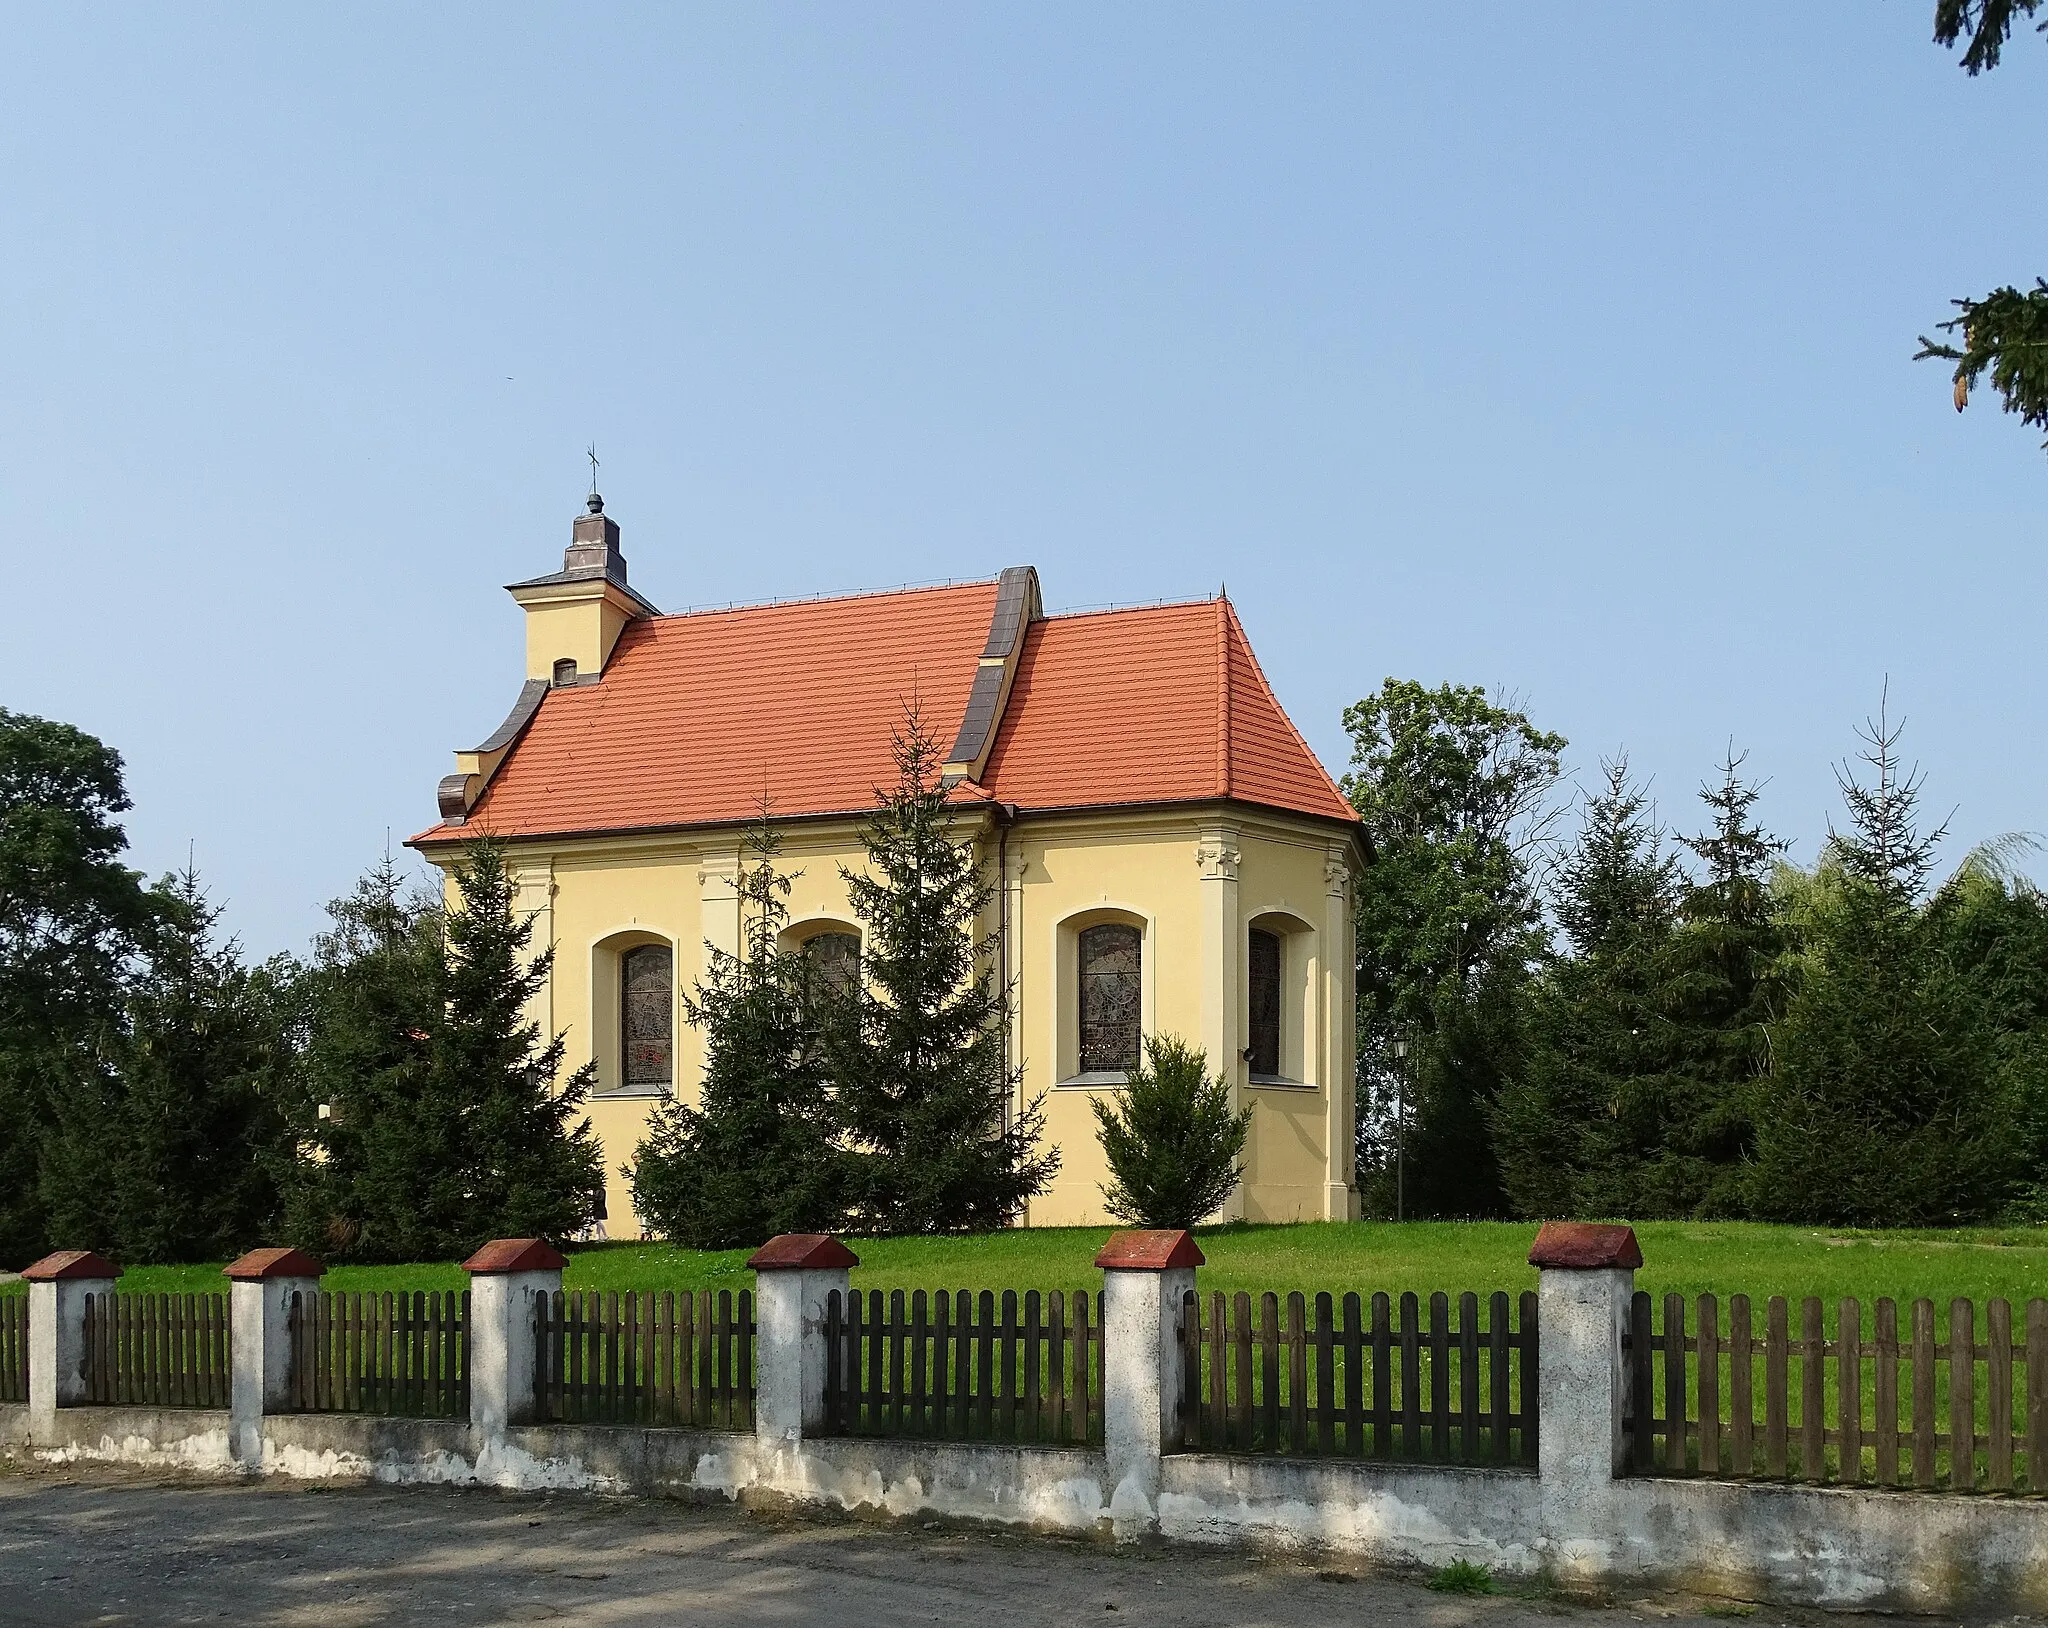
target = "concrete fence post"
x: 1145, y: 1276
x: 507, y: 1277
x: 260, y: 1289
x: 795, y: 1274
x: 1582, y: 1303
x: 57, y: 1287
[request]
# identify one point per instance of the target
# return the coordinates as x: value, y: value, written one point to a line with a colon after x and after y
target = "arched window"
x: 565, y: 671
x: 1266, y: 960
x: 647, y: 1016
x: 1112, y: 997
x: 834, y: 961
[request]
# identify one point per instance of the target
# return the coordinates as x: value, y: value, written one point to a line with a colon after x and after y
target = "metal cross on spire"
x: 592, y: 456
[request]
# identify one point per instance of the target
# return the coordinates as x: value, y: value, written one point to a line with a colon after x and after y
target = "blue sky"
x: 1561, y: 350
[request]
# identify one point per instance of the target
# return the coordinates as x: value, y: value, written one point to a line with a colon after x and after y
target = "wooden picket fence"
x: 962, y: 1367
x: 157, y: 1350
x: 402, y: 1354
x: 646, y: 1358
x: 1895, y: 1409
x: 1368, y: 1384
x: 14, y: 1348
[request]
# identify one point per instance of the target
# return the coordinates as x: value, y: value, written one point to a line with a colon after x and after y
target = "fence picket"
x: 1962, y: 1396
x: 1440, y: 1374
x: 1297, y: 1373
x: 1998, y: 1396
x: 1674, y: 1384
x: 2037, y: 1395
x: 1642, y: 1383
x: 1776, y: 1350
x: 1411, y: 1376
x: 1710, y: 1384
x: 1923, y: 1393
x: 1885, y: 1442
x: 1849, y: 1391
x: 1813, y: 1377
x: 1741, y: 1379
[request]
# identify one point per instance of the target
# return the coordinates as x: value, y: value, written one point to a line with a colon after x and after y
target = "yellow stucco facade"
x: 1193, y: 880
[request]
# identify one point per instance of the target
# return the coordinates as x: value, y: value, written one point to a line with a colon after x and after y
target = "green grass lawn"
x: 1691, y: 1258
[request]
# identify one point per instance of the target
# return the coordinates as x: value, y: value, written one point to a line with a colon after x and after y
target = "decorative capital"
x: 515, y: 1255
x: 1336, y: 875
x: 1217, y: 859
x: 1149, y: 1250
x: 1585, y: 1246
x: 801, y: 1252
x: 69, y: 1265
x: 273, y: 1263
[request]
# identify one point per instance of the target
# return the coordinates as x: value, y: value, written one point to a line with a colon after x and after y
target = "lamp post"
x: 1400, y: 1126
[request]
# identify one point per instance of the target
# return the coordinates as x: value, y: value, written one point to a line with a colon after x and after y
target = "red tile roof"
x: 1151, y: 706
x: 698, y: 714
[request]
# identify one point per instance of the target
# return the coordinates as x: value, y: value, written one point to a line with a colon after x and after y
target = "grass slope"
x: 1690, y: 1258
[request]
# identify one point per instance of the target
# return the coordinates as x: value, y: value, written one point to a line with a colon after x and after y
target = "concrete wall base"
x: 1832, y: 1546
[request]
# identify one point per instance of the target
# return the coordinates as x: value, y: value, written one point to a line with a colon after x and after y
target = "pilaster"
x: 1216, y: 859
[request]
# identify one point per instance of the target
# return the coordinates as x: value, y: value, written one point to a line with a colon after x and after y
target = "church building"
x: 1166, y: 853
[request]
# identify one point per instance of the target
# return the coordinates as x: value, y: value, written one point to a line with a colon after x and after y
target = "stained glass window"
x: 835, y: 961
x: 647, y: 1015
x: 1112, y: 999
x: 1265, y: 1003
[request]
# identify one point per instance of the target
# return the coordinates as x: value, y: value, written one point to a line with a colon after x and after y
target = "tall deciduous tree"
x: 759, y: 1153
x: 1455, y: 791
x: 169, y: 1149
x: 919, y: 1049
x: 73, y: 918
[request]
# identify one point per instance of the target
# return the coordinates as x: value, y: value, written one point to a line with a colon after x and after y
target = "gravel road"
x: 86, y: 1546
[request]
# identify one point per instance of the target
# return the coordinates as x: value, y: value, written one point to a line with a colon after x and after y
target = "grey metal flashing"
x: 1017, y: 607
x: 531, y: 694
x: 555, y: 579
x: 452, y: 798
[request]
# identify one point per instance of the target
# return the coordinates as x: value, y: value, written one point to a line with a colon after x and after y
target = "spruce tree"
x: 919, y: 1051
x: 529, y: 1162
x: 1886, y: 1105
x: 448, y: 1121
x: 1588, y: 1109
x: 371, y: 998
x: 167, y: 1148
x: 758, y: 1154
x: 1170, y: 1138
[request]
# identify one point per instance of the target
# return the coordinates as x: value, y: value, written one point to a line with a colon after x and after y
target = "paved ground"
x: 84, y: 1546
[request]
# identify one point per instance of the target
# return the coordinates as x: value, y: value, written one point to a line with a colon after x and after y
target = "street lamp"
x: 1400, y: 1125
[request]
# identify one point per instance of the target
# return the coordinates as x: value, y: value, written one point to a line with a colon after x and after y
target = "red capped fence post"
x: 57, y: 1287
x: 795, y: 1274
x: 260, y: 1289
x: 507, y: 1278
x: 1145, y: 1277
x: 1582, y: 1309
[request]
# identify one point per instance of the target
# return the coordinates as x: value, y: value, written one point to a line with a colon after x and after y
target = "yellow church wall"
x: 1194, y: 881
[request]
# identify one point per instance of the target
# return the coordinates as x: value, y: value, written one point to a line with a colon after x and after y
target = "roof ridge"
x: 1118, y: 607
x: 894, y: 591
x: 1222, y: 696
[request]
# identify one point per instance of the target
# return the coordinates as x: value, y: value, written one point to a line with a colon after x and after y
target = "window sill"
x: 1095, y: 1078
x: 643, y: 1093
x: 1278, y: 1082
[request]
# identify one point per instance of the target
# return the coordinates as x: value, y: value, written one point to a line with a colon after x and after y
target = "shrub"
x: 1170, y: 1138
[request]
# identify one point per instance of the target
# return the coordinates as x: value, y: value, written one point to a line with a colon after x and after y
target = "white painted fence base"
x: 1827, y: 1546
x: 1574, y: 1517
